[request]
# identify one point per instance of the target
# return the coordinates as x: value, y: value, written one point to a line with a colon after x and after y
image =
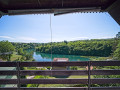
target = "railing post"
x: 18, y: 75
x: 89, y: 73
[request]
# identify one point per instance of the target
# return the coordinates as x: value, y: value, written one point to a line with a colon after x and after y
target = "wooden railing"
x: 88, y: 81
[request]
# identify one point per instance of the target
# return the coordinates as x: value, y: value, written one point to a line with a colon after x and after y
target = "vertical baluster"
x: 89, y: 73
x: 18, y: 75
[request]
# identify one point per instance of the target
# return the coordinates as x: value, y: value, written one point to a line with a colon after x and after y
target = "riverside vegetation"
x: 96, y: 47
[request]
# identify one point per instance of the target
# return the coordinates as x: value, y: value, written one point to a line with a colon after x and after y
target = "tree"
x: 118, y: 35
x: 117, y: 52
x: 28, y: 56
x: 84, y: 48
x: 6, y: 50
x: 65, y: 42
x: 20, y: 51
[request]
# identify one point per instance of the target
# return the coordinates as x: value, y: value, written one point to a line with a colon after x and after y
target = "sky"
x: 69, y: 27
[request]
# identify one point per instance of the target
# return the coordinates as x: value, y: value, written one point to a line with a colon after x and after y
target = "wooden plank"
x: 58, y: 64
x: 113, y: 10
x: 105, y: 81
x: 8, y: 64
x: 60, y: 73
x: 105, y: 72
x: 62, y: 88
x: 74, y: 88
x: 54, y: 72
x: 105, y: 88
x: 8, y: 88
x: 18, y: 75
x: 8, y: 81
x: 89, y: 78
x: 60, y: 81
x: 8, y: 72
x: 105, y: 63
x: 52, y: 88
x: 54, y: 81
x: 44, y: 4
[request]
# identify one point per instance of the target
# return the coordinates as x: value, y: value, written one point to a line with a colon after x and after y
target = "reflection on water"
x: 47, y: 57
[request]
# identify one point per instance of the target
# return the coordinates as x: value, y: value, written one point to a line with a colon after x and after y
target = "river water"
x: 47, y: 57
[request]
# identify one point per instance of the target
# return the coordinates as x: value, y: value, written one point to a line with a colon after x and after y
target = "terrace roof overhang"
x: 58, y: 7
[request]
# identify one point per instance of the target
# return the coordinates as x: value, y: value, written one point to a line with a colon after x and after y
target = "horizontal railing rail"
x: 87, y: 81
x: 60, y: 64
x: 60, y: 72
x: 60, y: 81
x: 39, y: 64
x: 67, y: 88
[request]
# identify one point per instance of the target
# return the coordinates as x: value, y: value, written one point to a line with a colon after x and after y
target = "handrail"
x: 88, y: 81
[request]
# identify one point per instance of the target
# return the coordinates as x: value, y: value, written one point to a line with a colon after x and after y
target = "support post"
x: 89, y: 73
x: 18, y: 75
x: 0, y: 15
x: 114, y: 11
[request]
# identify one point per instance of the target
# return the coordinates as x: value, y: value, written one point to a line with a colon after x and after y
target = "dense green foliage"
x: 117, y: 52
x: 6, y: 50
x: 21, y: 49
x: 25, y: 46
x: 25, y: 55
x: 84, y: 48
x: 37, y: 77
x: 96, y: 47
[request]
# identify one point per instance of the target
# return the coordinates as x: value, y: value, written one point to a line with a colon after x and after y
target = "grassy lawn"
x: 92, y: 58
x: 77, y: 76
x: 15, y: 56
x: 63, y: 85
x: 53, y: 85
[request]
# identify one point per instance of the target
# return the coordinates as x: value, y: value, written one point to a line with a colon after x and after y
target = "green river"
x: 47, y: 57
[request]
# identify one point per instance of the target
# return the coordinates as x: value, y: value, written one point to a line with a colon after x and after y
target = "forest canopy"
x: 96, y: 47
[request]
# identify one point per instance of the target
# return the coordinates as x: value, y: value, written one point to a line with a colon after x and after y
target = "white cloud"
x: 27, y: 39
x: 6, y: 37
